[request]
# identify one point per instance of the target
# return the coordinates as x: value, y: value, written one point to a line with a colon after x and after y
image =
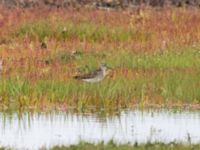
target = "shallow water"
x: 33, y: 131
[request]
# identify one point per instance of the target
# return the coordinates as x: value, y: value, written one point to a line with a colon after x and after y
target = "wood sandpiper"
x: 95, y: 76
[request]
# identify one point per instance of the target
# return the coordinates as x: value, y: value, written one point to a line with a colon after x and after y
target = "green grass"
x: 170, y: 58
x: 84, y: 31
x: 184, y: 58
x: 120, y: 91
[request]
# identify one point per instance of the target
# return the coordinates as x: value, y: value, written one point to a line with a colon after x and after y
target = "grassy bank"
x: 128, y: 147
x: 113, y: 146
x: 153, y: 63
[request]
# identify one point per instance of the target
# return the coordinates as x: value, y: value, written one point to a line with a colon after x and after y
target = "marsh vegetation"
x: 154, y: 55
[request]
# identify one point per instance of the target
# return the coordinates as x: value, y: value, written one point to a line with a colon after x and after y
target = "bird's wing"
x: 89, y: 75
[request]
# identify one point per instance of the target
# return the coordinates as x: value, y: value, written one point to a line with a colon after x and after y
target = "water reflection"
x: 32, y: 131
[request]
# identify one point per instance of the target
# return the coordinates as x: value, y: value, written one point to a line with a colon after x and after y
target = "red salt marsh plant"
x: 148, y: 30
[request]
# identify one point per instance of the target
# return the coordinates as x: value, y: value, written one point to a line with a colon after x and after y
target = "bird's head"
x: 105, y: 69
